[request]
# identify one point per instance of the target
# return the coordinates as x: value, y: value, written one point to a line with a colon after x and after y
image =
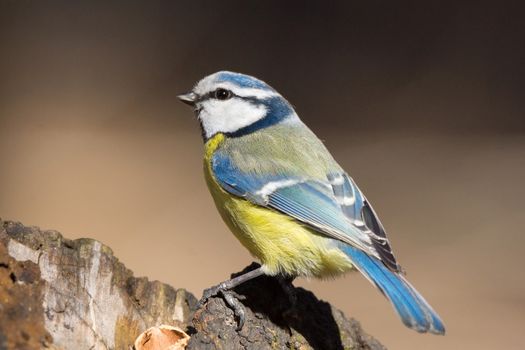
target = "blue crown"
x: 243, y: 81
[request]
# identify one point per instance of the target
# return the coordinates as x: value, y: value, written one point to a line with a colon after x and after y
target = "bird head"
x: 236, y: 104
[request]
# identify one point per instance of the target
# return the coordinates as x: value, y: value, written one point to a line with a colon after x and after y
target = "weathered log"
x: 74, y: 294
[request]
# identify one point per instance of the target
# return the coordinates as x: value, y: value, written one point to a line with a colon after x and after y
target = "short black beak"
x: 188, y: 98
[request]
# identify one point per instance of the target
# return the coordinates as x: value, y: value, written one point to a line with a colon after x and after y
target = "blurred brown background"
x: 422, y: 103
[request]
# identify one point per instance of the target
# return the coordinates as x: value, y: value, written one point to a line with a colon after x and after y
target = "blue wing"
x: 333, y: 206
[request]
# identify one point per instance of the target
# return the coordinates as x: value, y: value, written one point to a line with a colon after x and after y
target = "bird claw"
x: 237, y: 307
x: 231, y: 300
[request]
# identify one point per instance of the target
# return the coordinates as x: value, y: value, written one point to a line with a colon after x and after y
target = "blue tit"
x: 287, y: 200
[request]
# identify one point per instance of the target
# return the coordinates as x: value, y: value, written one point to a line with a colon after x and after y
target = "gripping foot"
x: 238, y: 308
x: 224, y: 290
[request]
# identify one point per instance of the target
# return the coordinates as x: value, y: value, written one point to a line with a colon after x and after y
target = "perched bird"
x: 287, y: 200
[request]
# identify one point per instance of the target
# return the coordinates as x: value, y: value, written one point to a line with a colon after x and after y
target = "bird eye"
x: 222, y: 94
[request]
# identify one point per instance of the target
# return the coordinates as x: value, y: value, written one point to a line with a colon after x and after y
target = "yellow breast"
x: 282, y: 244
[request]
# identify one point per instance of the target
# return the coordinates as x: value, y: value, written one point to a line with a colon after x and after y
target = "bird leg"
x: 224, y: 290
x: 288, y: 289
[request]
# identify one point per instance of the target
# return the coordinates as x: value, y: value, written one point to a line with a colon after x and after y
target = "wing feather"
x: 333, y: 206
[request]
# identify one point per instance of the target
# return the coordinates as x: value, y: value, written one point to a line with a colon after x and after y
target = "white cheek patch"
x: 229, y: 116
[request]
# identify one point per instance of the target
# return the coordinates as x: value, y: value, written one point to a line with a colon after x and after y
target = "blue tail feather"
x: 413, y: 309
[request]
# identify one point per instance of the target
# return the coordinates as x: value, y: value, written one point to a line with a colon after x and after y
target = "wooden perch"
x: 74, y: 294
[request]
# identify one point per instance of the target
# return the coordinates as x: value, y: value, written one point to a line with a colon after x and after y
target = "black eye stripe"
x: 211, y: 95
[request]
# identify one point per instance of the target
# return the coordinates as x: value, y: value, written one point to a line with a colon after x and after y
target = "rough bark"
x: 272, y: 322
x: 74, y: 294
